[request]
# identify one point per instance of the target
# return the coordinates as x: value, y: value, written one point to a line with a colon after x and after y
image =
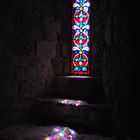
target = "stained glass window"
x: 80, y: 38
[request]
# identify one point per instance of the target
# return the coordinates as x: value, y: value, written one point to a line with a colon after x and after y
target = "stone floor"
x: 33, y: 132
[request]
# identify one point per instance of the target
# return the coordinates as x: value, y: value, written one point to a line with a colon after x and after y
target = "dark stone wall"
x: 35, y: 41
x: 115, y: 50
x: 29, y: 39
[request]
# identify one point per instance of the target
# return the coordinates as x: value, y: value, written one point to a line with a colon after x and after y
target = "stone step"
x: 32, y: 132
x: 85, y: 88
x: 95, y: 116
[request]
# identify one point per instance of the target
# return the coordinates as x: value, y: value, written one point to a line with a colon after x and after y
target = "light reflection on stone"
x: 62, y: 133
x: 72, y: 102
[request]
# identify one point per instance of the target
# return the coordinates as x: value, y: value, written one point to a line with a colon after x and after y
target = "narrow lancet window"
x: 80, y: 38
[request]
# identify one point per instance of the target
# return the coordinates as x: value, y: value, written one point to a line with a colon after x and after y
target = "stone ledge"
x: 50, y: 110
x: 86, y: 88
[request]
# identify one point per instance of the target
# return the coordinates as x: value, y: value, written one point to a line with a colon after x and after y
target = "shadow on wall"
x: 28, y: 44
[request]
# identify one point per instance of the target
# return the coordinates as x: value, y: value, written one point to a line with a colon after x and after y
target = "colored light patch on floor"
x: 71, y: 102
x: 62, y: 133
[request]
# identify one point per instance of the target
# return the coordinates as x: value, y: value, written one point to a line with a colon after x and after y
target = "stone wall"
x: 116, y: 60
x: 29, y: 40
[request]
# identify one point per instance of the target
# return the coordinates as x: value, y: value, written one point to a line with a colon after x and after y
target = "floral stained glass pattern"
x: 80, y: 35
